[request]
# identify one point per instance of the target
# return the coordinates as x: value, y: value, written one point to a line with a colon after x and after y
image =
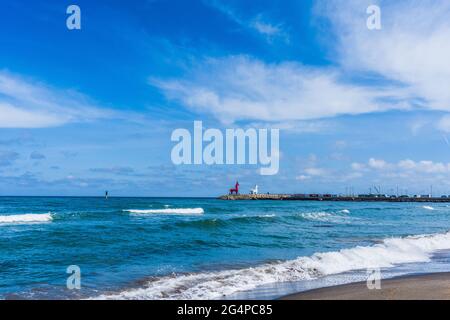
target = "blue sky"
x: 83, y: 111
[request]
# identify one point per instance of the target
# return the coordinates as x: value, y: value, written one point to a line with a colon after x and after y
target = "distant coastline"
x: 329, y: 197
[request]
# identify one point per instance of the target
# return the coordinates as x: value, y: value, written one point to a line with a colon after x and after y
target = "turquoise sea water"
x: 156, y: 248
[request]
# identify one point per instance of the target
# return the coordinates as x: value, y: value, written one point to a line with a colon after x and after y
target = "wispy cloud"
x: 269, y: 30
x: 28, y: 103
x: 406, y: 166
x: 407, y: 61
x: 413, y: 173
x: 412, y: 76
x: 115, y: 170
x: 258, y: 23
x: 244, y: 88
x: 377, y: 163
x: 412, y: 48
x: 297, y: 127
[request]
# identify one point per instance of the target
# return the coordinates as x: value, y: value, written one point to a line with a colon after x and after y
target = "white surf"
x: 216, y: 285
x: 25, y: 218
x: 181, y: 211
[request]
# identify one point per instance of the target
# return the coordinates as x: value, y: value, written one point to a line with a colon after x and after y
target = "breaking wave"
x: 185, y: 211
x: 216, y: 285
x: 25, y: 218
x: 325, y: 217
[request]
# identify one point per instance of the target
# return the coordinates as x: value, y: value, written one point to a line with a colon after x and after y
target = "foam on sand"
x: 180, y: 211
x: 26, y: 218
x: 216, y: 285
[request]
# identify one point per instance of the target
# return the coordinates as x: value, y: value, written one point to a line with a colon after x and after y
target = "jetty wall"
x: 291, y: 197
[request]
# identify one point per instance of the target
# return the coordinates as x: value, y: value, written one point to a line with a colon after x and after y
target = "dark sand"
x: 420, y: 287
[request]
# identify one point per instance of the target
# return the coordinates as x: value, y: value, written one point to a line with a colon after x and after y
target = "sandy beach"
x: 419, y: 287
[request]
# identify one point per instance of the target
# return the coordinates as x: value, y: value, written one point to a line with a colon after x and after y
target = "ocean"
x: 203, y: 248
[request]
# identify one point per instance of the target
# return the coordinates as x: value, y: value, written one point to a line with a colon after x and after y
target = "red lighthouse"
x: 236, y: 188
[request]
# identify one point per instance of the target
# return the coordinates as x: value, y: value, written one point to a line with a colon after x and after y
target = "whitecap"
x: 325, y: 217
x: 217, y: 285
x: 25, y: 218
x: 175, y: 211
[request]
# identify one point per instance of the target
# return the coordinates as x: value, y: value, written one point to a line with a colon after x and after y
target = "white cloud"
x: 377, y: 164
x: 26, y: 103
x: 269, y: 30
x: 318, y: 172
x: 242, y: 88
x: 298, y: 127
x: 265, y: 28
x: 407, y: 59
x: 358, y: 166
x: 302, y: 177
x: 424, y: 166
x: 14, y: 117
x: 312, y: 171
x: 404, y: 167
x: 407, y: 164
x: 411, y: 49
x: 382, y: 172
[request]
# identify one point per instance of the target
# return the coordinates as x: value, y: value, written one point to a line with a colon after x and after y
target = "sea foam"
x: 325, y: 217
x: 181, y: 211
x: 216, y: 285
x: 26, y: 218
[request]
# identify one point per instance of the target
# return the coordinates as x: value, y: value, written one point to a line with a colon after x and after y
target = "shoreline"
x: 430, y: 286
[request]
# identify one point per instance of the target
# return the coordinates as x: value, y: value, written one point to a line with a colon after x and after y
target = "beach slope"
x: 420, y: 287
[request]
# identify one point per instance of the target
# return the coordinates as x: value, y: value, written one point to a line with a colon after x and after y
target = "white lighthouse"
x: 254, y: 190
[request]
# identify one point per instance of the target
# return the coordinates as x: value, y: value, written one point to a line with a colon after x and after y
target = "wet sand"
x: 419, y: 287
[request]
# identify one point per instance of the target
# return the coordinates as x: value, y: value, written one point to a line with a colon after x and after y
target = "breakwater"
x: 291, y: 197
